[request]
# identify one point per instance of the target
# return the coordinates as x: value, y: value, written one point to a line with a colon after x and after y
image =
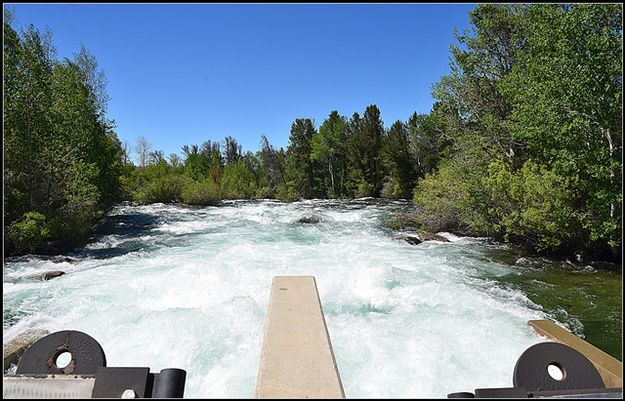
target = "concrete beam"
x: 610, y: 368
x: 297, y: 360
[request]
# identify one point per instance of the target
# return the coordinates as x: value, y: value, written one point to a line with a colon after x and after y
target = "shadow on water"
x: 128, y: 229
x: 130, y: 224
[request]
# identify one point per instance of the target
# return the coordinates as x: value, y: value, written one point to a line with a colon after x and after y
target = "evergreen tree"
x: 364, y: 152
x: 328, y: 149
x: 233, y: 151
x: 400, y: 161
x: 272, y: 163
x: 299, y: 164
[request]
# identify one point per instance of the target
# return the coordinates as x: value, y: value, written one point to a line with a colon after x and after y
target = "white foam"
x: 404, y: 321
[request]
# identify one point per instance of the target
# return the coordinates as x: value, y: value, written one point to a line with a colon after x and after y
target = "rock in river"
x: 411, y: 239
x: 432, y: 237
x: 308, y: 219
x: 52, y: 274
x: 66, y: 259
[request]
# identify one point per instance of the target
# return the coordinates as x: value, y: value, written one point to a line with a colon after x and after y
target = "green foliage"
x: 165, y: 190
x: 443, y: 198
x: 299, y: 166
x: 531, y: 205
x: 524, y: 142
x: 27, y: 233
x: 204, y: 193
x: 567, y: 96
x: 271, y: 170
x: 364, y: 147
x: 82, y: 194
x: 237, y: 182
x: 535, y: 94
x: 364, y: 189
x: 400, y: 162
x: 429, y: 136
x: 62, y: 159
x: 328, y: 150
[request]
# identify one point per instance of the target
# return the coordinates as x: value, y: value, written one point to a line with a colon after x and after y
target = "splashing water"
x: 170, y: 286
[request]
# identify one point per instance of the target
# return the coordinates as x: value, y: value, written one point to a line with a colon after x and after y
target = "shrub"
x: 532, y: 205
x: 237, y: 182
x: 364, y: 189
x: 166, y: 190
x: 27, y: 233
x: 203, y: 193
x: 443, y: 197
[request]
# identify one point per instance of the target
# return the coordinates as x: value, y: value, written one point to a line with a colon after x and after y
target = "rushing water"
x: 170, y: 286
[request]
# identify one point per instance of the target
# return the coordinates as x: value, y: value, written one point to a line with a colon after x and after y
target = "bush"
x: 204, y: 193
x: 390, y: 188
x: 166, y: 190
x: 532, y: 205
x: 237, y: 182
x: 401, y: 221
x: 444, y: 198
x: 364, y: 189
x: 26, y: 234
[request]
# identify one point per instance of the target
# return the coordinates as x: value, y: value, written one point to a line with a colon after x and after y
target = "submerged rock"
x: 432, y: 237
x: 502, y: 260
x: 308, y: 219
x: 52, y: 274
x: 66, y: 259
x: 412, y: 240
x: 523, y: 261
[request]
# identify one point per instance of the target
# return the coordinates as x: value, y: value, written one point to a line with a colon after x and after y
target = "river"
x: 168, y: 286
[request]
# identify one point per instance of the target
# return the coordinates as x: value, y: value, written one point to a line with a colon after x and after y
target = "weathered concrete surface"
x: 14, y: 349
x: 297, y: 360
x: 610, y: 368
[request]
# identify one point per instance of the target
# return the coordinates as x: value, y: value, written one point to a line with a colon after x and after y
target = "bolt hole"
x: 556, y: 372
x: 63, y: 359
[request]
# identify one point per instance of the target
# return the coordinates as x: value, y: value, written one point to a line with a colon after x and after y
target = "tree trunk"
x: 331, y: 178
x: 611, y: 153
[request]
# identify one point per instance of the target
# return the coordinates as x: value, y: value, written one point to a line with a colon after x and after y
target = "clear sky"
x: 184, y: 73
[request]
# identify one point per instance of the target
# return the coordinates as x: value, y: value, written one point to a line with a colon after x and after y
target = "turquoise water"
x: 170, y: 286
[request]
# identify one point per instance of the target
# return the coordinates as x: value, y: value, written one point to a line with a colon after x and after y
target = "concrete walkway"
x: 297, y: 360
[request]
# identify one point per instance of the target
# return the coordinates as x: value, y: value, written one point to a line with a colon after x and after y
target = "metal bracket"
x: 40, y: 374
x: 531, y: 378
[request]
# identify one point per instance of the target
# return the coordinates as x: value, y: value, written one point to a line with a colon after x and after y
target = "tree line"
x: 523, y: 143
x: 342, y: 158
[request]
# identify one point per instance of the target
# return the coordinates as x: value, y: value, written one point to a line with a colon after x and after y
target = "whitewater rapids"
x: 169, y: 286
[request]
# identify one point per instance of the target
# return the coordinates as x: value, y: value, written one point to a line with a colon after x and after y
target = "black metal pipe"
x: 169, y: 384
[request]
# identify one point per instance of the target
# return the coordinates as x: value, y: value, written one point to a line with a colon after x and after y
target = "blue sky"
x: 184, y: 73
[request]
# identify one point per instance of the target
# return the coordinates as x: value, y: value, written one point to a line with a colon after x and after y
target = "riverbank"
x: 416, y: 221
